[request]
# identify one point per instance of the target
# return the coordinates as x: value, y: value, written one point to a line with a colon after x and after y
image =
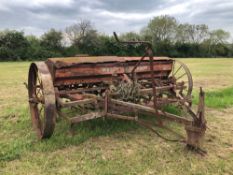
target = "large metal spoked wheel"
x: 181, y: 75
x: 41, y: 100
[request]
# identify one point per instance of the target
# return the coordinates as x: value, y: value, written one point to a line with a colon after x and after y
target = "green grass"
x: 112, y: 146
x: 222, y: 98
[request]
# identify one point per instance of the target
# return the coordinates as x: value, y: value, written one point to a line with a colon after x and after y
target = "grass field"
x: 115, y: 147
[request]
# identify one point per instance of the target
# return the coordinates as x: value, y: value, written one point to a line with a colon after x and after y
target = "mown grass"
x: 113, y: 146
x: 211, y: 73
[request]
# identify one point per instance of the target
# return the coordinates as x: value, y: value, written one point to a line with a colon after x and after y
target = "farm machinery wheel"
x: 41, y: 99
x: 181, y: 76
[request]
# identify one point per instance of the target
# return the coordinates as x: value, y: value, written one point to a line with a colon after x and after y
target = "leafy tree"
x: 130, y: 36
x: 169, y: 38
x: 13, y: 45
x: 51, y: 43
x: 217, y: 41
x: 52, y: 40
x: 191, y: 33
x: 219, y: 36
x: 34, y: 49
x: 132, y: 50
x: 161, y: 28
x: 197, y: 33
x: 77, y: 31
x: 89, y: 43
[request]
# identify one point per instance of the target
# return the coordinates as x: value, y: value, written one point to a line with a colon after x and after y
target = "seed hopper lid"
x: 73, y: 61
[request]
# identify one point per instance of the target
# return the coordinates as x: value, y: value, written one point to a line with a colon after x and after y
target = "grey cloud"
x: 131, y: 5
x: 110, y: 15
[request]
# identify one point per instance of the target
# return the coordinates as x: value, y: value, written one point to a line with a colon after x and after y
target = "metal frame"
x: 61, y: 78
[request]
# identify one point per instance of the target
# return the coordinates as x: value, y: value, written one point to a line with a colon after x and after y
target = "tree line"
x: 167, y: 35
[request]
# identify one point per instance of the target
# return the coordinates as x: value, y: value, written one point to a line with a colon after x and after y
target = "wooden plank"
x: 158, y: 89
x: 117, y: 116
x: 81, y: 80
x: 74, y: 91
x: 75, y: 103
x: 152, y: 110
x: 89, y: 116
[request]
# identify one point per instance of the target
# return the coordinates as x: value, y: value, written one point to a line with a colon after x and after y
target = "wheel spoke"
x: 181, y: 76
x: 37, y: 91
x: 39, y: 79
x: 180, y: 73
x: 177, y: 70
x: 173, y: 66
x: 41, y: 108
x: 40, y: 93
x: 40, y: 98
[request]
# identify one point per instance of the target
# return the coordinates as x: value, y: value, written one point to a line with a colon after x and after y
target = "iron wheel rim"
x: 181, y: 74
x: 41, y: 100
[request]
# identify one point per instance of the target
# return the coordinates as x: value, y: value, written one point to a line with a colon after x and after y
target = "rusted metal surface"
x: 73, y: 61
x: 113, y: 87
x: 41, y: 99
x: 109, y: 69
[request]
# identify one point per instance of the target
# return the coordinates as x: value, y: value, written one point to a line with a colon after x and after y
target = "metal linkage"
x: 148, y: 53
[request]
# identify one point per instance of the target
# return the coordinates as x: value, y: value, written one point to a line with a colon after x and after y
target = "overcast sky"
x: 37, y: 16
